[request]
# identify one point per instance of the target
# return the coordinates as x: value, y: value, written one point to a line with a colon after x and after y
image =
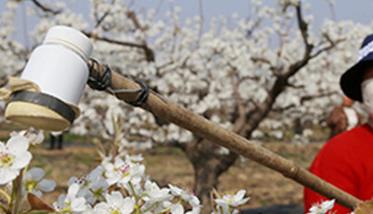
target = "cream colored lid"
x: 37, y: 116
x: 71, y: 38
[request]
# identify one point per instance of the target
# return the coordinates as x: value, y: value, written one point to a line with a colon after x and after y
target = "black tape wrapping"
x: 99, y: 82
x: 102, y: 82
x: 143, y: 94
x: 46, y: 100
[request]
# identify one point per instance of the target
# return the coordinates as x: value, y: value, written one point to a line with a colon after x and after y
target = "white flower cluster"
x: 14, y: 156
x: 117, y: 186
x: 14, y: 161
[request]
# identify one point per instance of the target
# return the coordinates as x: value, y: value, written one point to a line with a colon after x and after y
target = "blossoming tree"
x: 236, y: 72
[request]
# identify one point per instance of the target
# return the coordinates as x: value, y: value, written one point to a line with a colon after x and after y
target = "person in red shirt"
x: 346, y: 160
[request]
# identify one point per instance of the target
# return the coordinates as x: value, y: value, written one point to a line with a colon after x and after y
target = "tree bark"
x: 208, y: 165
x: 205, y: 179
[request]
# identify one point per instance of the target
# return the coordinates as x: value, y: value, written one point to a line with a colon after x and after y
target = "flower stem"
x: 17, y: 191
x: 133, y: 191
x: 137, y: 207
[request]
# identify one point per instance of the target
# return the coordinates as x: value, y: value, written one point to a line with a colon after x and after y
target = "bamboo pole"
x: 171, y: 112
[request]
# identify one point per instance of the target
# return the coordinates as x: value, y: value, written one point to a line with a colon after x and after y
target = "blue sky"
x: 357, y: 10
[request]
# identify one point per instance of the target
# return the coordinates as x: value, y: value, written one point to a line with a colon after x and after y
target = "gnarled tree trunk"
x: 208, y: 164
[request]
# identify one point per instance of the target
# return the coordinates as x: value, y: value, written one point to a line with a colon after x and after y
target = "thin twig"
x: 149, y: 53
x: 100, y: 20
x: 46, y: 8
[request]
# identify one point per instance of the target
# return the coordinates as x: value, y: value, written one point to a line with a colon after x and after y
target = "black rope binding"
x: 103, y: 82
x: 97, y: 81
x: 143, y: 94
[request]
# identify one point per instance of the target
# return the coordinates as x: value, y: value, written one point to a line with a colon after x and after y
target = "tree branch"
x: 331, y: 45
x: 291, y: 85
x: 304, y: 99
x: 281, y: 82
x: 133, y: 17
x: 45, y: 8
x: 100, y: 20
x: 303, y: 28
x: 149, y: 53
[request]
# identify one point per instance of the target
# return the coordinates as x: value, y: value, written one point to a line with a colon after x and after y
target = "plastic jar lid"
x: 71, y: 38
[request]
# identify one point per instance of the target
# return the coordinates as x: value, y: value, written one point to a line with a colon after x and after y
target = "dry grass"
x: 168, y: 165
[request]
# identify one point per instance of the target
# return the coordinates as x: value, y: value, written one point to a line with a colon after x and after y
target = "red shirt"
x: 347, y: 162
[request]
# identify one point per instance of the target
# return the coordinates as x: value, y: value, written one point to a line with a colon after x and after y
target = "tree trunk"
x: 205, y: 180
x: 208, y: 165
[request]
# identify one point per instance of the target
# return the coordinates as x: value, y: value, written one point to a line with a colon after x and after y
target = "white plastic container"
x: 59, y: 65
x: 59, y: 68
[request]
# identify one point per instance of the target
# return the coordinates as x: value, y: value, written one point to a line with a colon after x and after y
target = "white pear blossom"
x: 93, y: 186
x: 115, y: 204
x: 153, y: 193
x: 34, y: 136
x: 122, y: 171
x: 71, y: 203
x: 14, y: 156
x: 322, y: 208
x: 229, y: 202
x: 193, y: 200
x: 35, y: 183
x: 176, y: 208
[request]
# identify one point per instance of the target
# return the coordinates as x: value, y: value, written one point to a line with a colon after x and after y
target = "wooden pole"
x: 171, y: 112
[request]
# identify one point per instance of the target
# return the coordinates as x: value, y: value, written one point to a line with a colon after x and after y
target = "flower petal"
x: 46, y: 185
x: 127, y: 206
x: 177, y: 209
x: 114, y: 199
x: 175, y: 190
x: 21, y: 160
x: 17, y: 145
x: 7, y: 175
x: 102, y: 208
x: 35, y: 174
x: 239, y: 195
x: 2, y: 147
x: 78, y: 205
x: 73, y: 190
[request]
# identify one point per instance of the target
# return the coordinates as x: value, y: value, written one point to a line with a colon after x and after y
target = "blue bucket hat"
x: 351, y: 80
